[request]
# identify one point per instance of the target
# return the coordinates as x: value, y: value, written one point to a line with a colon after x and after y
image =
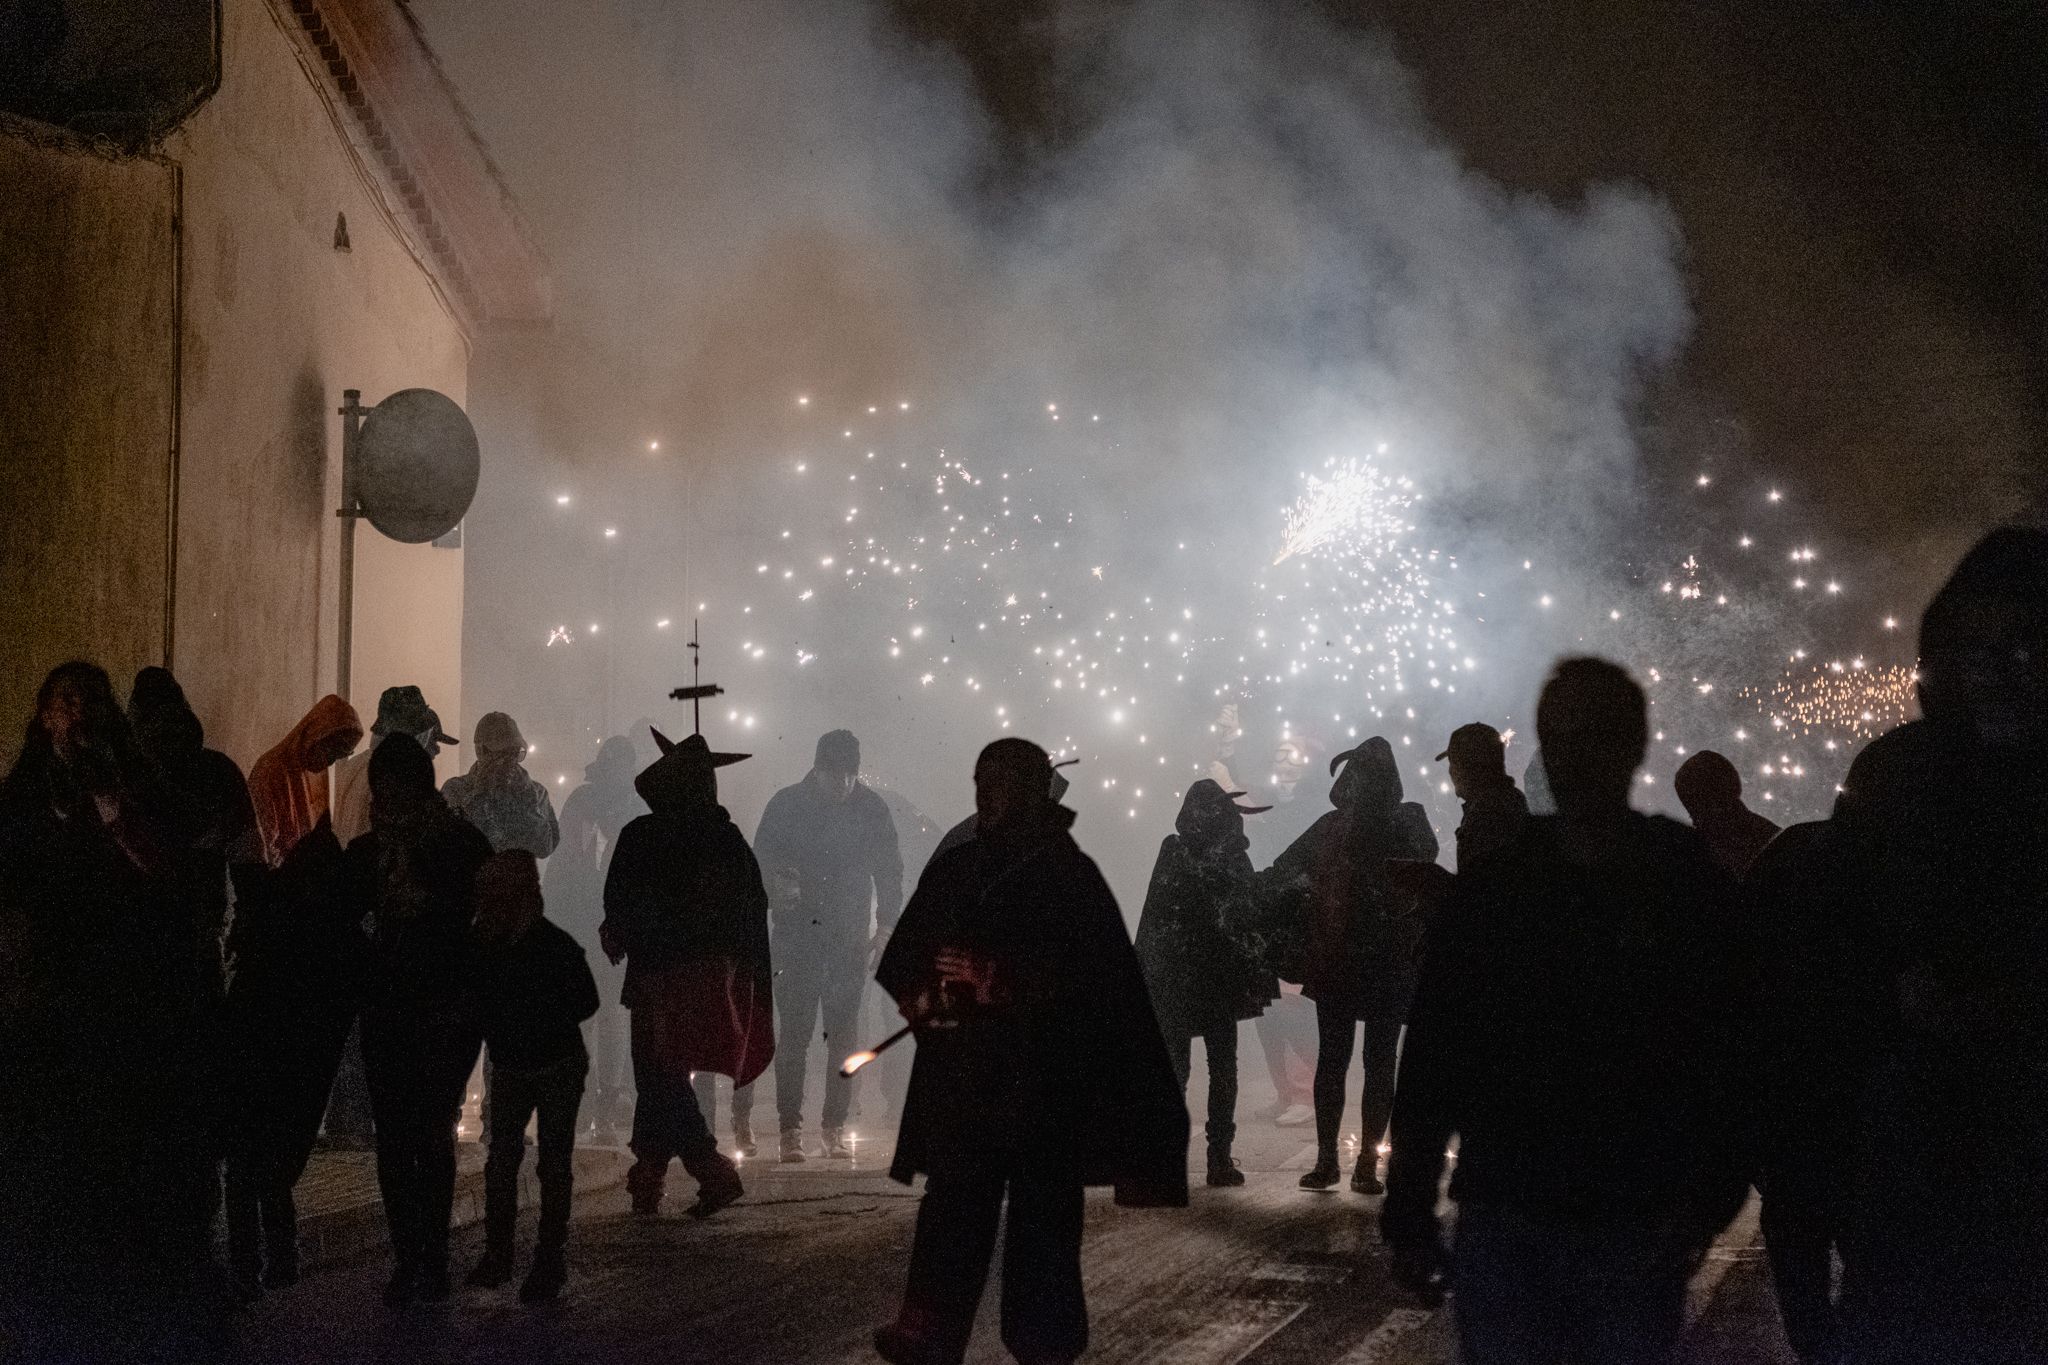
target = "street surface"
x: 805, y: 1267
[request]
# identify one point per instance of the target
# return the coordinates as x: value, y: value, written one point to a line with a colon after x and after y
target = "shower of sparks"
x: 1838, y: 700
x: 1359, y: 511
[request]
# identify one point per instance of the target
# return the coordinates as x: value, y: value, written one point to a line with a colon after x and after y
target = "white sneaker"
x: 1294, y: 1116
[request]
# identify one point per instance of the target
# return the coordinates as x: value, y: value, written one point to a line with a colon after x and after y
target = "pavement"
x: 813, y: 1258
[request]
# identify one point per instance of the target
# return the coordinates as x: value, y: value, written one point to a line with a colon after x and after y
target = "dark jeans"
x: 1336, y: 1031
x: 1804, y: 1218
x: 1044, y: 1313
x: 1219, y: 1049
x: 285, y: 1082
x: 804, y: 990
x: 667, y: 1124
x: 1536, y: 1293
x: 555, y: 1093
x: 417, y: 1069
x: 348, y: 1106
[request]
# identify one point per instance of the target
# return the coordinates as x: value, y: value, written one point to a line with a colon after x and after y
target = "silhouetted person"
x: 534, y: 990
x: 828, y: 849
x: 1494, y: 808
x: 685, y: 909
x: 964, y: 831
x: 414, y: 875
x: 506, y: 805
x: 1944, y: 819
x: 1363, y: 938
x: 1576, y: 1028
x: 592, y: 818
x: 400, y: 711
x: 109, y: 1185
x: 1190, y: 943
x: 289, y: 783
x: 1040, y: 1071
x: 1710, y: 789
x: 300, y: 959
x: 1816, y: 1013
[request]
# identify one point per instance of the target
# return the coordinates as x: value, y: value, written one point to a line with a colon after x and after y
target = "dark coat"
x: 1067, y: 1077
x: 417, y: 891
x: 1363, y: 935
x: 532, y: 994
x: 844, y: 859
x: 1581, y: 1030
x: 684, y: 887
x: 1491, y: 822
x: 1198, y: 971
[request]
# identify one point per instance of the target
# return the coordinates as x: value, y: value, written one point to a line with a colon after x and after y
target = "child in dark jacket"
x: 534, y: 990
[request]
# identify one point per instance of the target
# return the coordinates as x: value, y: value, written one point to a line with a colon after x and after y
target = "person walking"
x: 592, y: 818
x: 1710, y: 789
x: 1201, y: 979
x: 686, y: 912
x: 1579, y: 1027
x: 414, y: 878
x: 1040, y: 1071
x: 1363, y: 940
x: 534, y: 990
x: 835, y: 876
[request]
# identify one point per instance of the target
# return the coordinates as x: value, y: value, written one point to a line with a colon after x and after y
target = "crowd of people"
x: 1615, y: 1025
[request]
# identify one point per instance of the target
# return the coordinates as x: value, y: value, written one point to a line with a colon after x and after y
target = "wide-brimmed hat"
x: 404, y: 711
x: 693, y: 751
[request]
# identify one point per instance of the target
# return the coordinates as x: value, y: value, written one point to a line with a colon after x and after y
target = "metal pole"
x: 344, y: 637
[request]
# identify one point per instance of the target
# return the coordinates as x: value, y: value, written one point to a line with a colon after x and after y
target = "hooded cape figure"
x: 684, y: 903
x: 1943, y: 821
x: 289, y: 782
x: 1190, y: 942
x: 1072, y: 1075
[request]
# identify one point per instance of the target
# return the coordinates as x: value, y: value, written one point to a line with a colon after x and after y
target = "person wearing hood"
x: 1040, y: 1071
x: 289, y: 783
x: 400, y: 711
x: 1944, y: 820
x: 592, y: 818
x: 835, y: 874
x: 1363, y: 940
x: 534, y: 991
x: 686, y: 912
x: 1201, y: 978
x: 413, y: 879
x: 498, y: 796
x: 1710, y: 789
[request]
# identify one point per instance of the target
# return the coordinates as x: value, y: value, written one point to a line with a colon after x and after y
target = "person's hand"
x: 614, y: 951
x: 1421, y: 1268
x: 975, y: 971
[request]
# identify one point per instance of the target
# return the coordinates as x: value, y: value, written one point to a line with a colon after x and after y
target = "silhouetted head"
x: 508, y: 899
x: 498, y: 739
x: 1209, y: 814
x: 1708, y: 786
x: 1478, y: 759
x: 404, y: 711
x: 836, y: 766
x: 1984, y: 642
x: 1012, y: 783
x: 401, y: 782
x: 76, y: 711
x: 1368, y: 778
x: 684, y: 776
x: 164, y: 723
x: 616, y: 762
x: 1593, y: 724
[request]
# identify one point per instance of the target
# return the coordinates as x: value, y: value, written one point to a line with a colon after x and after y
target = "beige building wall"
x: 277, y: 321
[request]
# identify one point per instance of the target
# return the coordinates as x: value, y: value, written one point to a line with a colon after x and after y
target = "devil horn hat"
x: 694, y: 747
x: 1245, y: 810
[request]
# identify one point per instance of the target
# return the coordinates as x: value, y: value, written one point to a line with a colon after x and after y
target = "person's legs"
x: 949, y: 1260
x: 389, y: 1073
x: 652, y: 1143
x: 704, y: 1084
x: 557, y: 1098
x: 1376, y: 1103
x: 842, y: 1001
x: 797, y: 999
x: 244, y: 1182
x: 455, y: 1052
x: 1045, y: 1314
x: 515, y: 1102
x: 1799, y: 1237
x: 1336, y: 1030
x: 1219, y: 1052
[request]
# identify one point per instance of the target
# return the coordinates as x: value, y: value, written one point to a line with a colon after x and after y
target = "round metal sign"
x: 416, y: 465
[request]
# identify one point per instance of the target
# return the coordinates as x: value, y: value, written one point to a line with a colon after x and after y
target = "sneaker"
x: 743, y: 1137
x: 835, y: 1145
x: 1323, y: 1177
x: 721, y: 1189
x: 1223, y: 1172
x: 793, y: 1144
x: 1365, y: 1180
x: 493, y: 1271
x: 544, y: 1282
x: 1294, y: 1116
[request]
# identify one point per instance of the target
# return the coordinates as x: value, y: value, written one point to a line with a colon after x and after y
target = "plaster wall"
x: 277, y: 321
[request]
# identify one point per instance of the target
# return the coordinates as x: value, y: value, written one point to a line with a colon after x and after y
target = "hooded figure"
x: 288, y: 785
x: 592, y: 819
x: 685, y: 910
x: 1201, y: 977
x: 1363, y: 943
x: 497, y: 796
x: 1710, y: 789
x: 1943, y: 822
x: 1039, y: 1070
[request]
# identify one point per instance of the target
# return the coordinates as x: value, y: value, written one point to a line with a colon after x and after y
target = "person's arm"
x: 888, y: 873
x: 582, y: 999
x: 623, y: 885
x: 547, y: 831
